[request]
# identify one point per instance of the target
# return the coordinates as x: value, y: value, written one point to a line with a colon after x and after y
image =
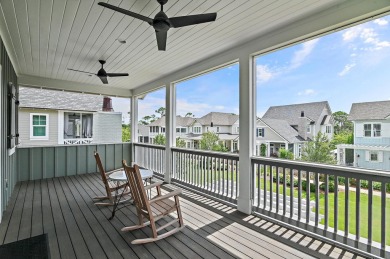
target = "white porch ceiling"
x: 45, y: 37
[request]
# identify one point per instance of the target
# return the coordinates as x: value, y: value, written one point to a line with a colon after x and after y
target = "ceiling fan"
x: 102, y: 74
x: 161, y: 23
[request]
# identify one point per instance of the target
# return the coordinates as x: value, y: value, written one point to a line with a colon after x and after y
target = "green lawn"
x: 341, y: 205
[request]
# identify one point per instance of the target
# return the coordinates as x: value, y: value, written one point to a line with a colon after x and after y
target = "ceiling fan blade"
x: 117, y: 74
x: 81, y: 71
x: 127, y: 12
x: 182, y: 21
x: 104, y: 79
x: 161, y: 39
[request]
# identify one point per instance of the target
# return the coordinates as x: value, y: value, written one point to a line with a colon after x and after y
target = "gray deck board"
x: 63, y: 208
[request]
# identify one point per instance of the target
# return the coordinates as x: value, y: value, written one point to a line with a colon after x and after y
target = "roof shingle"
x: 370, y: 111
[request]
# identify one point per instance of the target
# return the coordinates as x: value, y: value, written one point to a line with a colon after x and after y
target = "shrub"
x: 283, y: 153
x: 388, y: 187
x: 331, y: 186
x: 376, y: 185
x: 312, y: 186
x: 364, y: 184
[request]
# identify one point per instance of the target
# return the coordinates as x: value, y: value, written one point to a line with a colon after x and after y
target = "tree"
x: 286, y: 154
x: 263, y: 149
x: 180, y: 143
x: 148, y: 119
x: 318, y: 150
x: 189, y: 114
x: 160, y: 111
x: 125, y: 133
x: 220, y: 148
x: 341, y: 122
x: 343, y: 137
x: 159, y: 139
x: 209, y: 140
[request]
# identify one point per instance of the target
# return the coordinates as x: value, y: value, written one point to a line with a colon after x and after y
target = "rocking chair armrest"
x: 156, y: 184
x: 166, y: 196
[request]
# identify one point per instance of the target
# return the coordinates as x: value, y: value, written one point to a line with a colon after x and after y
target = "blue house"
x: 371, y: 148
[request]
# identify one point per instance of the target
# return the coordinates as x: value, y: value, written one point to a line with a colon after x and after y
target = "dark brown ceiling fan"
x: 102, y: 74
x: 161, y: 23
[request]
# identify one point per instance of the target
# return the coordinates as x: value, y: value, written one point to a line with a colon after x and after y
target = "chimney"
x: 107, y: 104
x: 302, y: 126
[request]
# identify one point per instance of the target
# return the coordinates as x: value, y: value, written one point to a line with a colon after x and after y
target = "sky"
x: 342, y: 68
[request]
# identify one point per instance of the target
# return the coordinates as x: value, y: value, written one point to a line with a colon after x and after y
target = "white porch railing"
x: 343, y: 205
x: 78, y: 141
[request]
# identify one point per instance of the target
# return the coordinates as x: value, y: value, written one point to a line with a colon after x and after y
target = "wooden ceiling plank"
x: 33, y: 12
x: 70, y: 13
x: 57, y: 19
x: 13, y: 29
x: 23, y: 27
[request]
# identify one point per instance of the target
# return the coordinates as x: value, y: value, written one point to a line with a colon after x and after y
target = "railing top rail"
x: 149, y: 146
x: 206, y: 153
x: 320, y: 168
x: 73, y: 145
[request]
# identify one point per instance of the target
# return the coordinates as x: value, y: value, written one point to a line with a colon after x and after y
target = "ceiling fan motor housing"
x: 161, y: 22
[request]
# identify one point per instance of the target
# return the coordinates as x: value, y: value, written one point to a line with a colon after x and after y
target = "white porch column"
x: 170, y: 122
x: 134, y: 124
x: 247, y: 143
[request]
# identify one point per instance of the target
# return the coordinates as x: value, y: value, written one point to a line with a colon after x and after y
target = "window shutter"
x: 380, y: 156
x: 262, y: 132
x: 367, y: 155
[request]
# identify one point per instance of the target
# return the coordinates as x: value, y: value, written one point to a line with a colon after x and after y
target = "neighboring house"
x: 290, y: 126
x: 275, y: 135
x: 371, y: 148
x: 48, y: 117
x: 225, y: 125
x: 143, y: 133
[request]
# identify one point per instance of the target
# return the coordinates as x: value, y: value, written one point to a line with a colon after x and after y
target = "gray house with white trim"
x: 290, y: 126
x: 65, y: 118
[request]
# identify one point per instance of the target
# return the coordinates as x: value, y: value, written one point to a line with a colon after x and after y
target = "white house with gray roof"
x: 190, y: 129
x: 48, y: 117
x: 371, y: 148
x: 290, y: 126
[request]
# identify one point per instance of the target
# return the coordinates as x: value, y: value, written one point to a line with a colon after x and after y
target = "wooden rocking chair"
x: 112, y: 190
x: 153, y: 209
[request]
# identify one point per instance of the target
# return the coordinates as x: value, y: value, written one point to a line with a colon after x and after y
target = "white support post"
x: 247, y: 143
x: 170, y: 122
x: 134, y: 124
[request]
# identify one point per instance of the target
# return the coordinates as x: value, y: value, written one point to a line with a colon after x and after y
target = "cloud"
x: 352, y: 33
x: 381, y: 21
x: 346, y: 69
x: 303, y: 53
x: 307, y: 92
x: 263, y: 73
x: 368, y: 36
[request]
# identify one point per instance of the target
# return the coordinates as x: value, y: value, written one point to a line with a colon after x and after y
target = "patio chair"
x: 154, y: 209
x: 112, y: 190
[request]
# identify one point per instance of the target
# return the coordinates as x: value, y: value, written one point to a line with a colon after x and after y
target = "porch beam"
x: 247, y: 143
x: 56, y: 84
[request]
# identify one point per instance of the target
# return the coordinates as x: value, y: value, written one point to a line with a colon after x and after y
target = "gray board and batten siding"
x: 36, y: 163
x: 7, y: 162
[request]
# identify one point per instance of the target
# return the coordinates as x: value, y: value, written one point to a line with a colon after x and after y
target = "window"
x: 328, y: 129
x: 237, y: 129
x: 299, y: 150
x: 367, y: 130
x: 308, y: 129
x: 373, y: 156
x: 377, y: 130
x: 177, y: 130
x: 183, y: 130
x: 260, y: 132
x: 235, y: 146
x: 197, y: 129
x: 162, y: 129
x: 217, y: 129
x: 188, y: 144
x: 39, y: 126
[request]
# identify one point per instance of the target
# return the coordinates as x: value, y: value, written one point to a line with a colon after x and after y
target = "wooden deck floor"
x: 62, y: 207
